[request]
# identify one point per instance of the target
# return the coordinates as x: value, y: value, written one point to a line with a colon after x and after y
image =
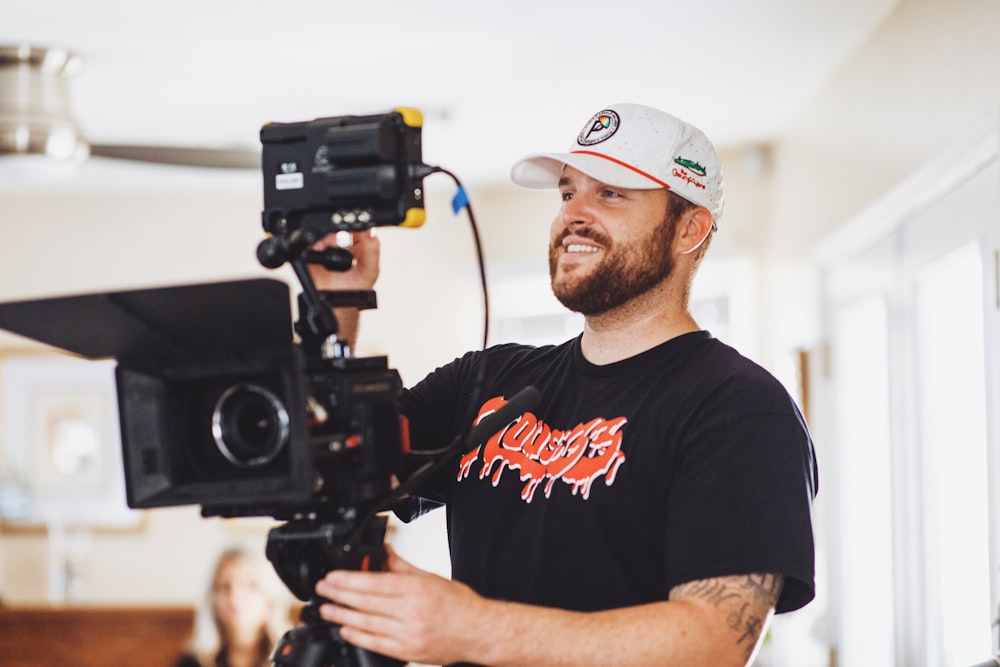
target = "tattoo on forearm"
x: 746, y: 600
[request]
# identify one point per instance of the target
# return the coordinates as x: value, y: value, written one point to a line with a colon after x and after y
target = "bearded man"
x: 655, y: 508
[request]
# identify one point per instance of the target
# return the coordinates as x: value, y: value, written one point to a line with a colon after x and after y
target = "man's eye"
x: 612, y: 193
x: 566, y: 196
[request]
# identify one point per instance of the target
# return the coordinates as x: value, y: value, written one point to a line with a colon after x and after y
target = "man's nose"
x: 576, y: 212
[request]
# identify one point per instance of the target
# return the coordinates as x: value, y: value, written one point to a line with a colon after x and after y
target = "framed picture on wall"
x: 60, y: 451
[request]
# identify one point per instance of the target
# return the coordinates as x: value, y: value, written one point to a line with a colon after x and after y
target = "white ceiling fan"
x: 36, y: 118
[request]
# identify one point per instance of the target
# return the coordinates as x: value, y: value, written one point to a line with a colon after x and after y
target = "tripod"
x: 302, y: 552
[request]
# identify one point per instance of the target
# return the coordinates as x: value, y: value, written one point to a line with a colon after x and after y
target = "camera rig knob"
x: 274, y: 251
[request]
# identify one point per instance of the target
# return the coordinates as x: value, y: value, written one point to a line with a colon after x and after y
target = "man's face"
x: 608, y: 245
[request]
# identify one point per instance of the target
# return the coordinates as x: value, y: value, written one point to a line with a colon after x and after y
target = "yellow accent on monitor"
x: 415, y: 217
x: 412, y: 117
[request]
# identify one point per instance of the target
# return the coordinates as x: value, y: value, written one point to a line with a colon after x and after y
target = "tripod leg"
x: 317, y: 643
x: 298, y: 648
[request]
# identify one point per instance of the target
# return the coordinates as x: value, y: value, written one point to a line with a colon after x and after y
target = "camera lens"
x: 250, y: 425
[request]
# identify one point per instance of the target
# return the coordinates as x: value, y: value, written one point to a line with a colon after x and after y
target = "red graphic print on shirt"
x: 578, y: 456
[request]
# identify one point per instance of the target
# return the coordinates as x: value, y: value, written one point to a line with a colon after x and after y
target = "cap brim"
x: 542, y: 171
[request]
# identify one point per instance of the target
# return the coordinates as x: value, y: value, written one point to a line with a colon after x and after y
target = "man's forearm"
x: 348, y: 321
x: 415, y: 615
x: 681, y: 632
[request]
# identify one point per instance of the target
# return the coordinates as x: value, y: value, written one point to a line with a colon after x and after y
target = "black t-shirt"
x: 687, y: 461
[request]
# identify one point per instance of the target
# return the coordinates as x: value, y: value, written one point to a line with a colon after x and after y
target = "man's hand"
x: 405, y: 613
x: 364, y: 273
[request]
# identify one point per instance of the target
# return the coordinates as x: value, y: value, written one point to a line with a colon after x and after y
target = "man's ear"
x: 695, y: 227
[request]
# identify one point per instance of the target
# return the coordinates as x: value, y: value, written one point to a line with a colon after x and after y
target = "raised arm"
x: 363, y: 275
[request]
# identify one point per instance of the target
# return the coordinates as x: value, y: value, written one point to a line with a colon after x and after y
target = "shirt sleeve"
x: 741, y: 503
x: 435, y: 409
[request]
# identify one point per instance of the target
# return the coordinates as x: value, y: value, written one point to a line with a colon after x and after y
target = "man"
x: 655, y: 507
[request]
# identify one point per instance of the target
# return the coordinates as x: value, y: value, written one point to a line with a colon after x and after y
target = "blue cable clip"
x: 460, y: 200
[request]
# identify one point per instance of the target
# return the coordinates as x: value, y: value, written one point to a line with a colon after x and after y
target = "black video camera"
x: 289, y: 431
x: 220, y: 408
x: 219, y: 405
x: 259, y: 429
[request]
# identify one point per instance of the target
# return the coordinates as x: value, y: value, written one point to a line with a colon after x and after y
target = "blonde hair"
x: 208, y: 644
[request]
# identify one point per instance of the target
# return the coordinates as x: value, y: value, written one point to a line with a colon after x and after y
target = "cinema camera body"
x: 304, y: 430
x: 220, y: 405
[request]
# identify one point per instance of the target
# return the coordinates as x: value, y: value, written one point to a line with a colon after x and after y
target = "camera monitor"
x: 344, y: 173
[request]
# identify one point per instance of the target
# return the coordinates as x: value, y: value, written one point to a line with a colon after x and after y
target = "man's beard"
x: 623, y: 273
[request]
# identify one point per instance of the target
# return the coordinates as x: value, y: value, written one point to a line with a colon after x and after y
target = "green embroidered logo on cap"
x: 692, y: 165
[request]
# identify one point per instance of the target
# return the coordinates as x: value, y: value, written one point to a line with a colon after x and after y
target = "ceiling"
x: 494, y: 80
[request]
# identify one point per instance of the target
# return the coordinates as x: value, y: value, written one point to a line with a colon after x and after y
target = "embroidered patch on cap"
x: 692, y: 165
x: 600, y: 128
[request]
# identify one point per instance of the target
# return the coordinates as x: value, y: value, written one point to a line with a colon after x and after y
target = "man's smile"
x: 581, y: 247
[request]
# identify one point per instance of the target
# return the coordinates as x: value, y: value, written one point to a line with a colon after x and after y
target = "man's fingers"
x: 370, y: 620
x: 381, y: 634
x: 377, y: 592
x: 328, y: 241
x: 375, y: 642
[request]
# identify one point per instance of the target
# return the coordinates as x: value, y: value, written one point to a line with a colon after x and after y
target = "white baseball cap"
x: 637, y: 147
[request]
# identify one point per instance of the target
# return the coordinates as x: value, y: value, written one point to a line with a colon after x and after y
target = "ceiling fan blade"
x: 189, y: 156
x: 35, y: 118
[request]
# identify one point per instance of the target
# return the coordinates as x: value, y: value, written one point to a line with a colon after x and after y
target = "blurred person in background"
x: 241, y: 617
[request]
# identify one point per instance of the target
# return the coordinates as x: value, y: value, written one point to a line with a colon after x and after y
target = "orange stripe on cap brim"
x: 624, y: 164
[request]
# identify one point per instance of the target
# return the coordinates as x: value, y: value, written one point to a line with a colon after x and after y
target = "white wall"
x: 925, y: 78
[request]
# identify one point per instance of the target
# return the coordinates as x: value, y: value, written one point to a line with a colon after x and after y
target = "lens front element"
x: 250, y: 425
